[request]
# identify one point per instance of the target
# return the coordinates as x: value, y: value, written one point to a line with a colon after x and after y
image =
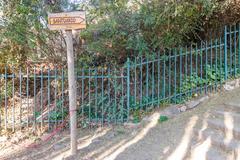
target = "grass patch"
x: 162, y: 119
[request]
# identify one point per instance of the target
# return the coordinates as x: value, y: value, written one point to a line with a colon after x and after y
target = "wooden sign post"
x: 68, y: 21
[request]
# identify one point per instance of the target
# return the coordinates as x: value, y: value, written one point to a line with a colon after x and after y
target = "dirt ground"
x: 150, y: 140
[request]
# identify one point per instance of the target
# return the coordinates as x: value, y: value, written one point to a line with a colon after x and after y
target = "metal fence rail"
x: 177, y: 75
x: 38, y: 97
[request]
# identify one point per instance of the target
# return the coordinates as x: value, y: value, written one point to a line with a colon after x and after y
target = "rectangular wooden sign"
x: 67, y: 20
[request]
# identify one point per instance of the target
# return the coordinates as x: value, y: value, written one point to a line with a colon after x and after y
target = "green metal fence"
x: 38, y: 97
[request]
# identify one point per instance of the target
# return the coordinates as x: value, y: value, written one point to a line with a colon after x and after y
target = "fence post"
x: 128, y: 88
x: 225, y: 53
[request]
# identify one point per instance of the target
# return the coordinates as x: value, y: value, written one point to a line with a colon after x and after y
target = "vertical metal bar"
x: 196, y: 66
x: 6, y: 99
x: 55, y: 95
x: 238, y: 48
x: 230, y: 45
x: 164, y: 75
x: 102, y: 97
x: 135, y: 82
x: 221, y: 64
x: 49, y: 92
x: 201, y: 66
x: 96, y: 93
x: 20, y: 92
x: 128, y: 88
x: 225, y: 53
x: 89, y: 95
x: 180, y: 74
x: 216, y: 56
x: 235, y: 50
x: 196, y: 60
x: 78, y: 91
x: 211, y: 64
x: 147, y: 70
x: 34, y: 93
x: 27, y: 96
x: 63, y: 94
x: 82, y: 93
x: 169, y: 76
x: 141, y: 84
x: 158, y: 82
x: 191, y: 70
x: 186, y: 68
x: 175, y: 76
x: 13, y: 99
x: 122, y: 98
x: 109, y: 85
x: 115, y: 96
x: 41, y: 97
x: 206, y: 69
x: 153, y: 83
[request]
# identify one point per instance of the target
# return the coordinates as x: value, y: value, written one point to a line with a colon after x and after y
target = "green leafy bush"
x: 211, y: 75
x: 122, y: 29
x: 162, y: 119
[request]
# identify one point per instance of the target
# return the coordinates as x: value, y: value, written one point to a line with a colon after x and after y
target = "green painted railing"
x: 37, y: 97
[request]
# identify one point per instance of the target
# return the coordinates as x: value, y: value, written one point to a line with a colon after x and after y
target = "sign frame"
x: 67, y: 20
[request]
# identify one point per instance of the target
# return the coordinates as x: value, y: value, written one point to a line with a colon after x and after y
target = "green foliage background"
x: 124, y: 29
x: 23, y: 32
x: 116, y: 28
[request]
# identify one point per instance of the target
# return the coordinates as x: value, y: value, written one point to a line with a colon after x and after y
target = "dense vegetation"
x: 24, y: 34
x: 116, y: 29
